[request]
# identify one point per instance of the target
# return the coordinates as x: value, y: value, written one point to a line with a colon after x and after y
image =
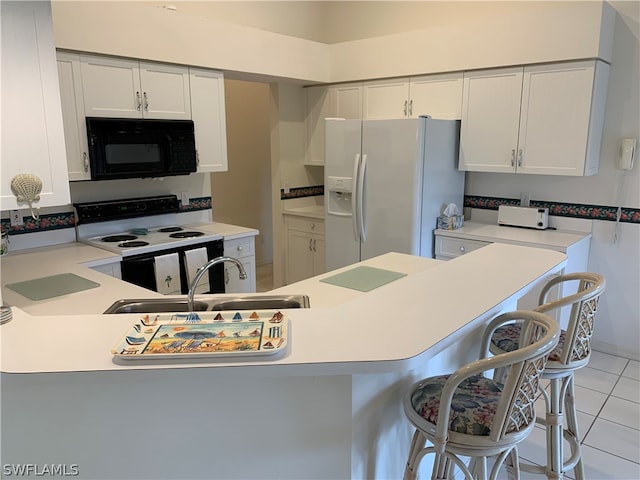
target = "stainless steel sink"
x: 209, y: 303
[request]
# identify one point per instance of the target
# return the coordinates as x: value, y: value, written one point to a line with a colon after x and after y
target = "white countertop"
x: 560, y: 239
x: 395, y: 326
x: 313, y: 211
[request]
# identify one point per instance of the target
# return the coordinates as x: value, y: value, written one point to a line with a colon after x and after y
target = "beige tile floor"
x: 608, y: 403
x: 264, y: 277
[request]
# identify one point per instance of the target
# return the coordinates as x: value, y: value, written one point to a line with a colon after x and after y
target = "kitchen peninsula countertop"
x: 436, y: 304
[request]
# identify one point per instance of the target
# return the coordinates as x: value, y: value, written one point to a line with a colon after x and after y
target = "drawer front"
x: 310, y: 225
x: 240, y: 247
x: 448, y: 247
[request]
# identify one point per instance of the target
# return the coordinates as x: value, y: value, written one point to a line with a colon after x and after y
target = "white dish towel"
x: 194, y: 259
x: 168, y: 274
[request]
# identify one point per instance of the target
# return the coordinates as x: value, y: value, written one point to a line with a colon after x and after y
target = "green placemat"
x: 53, y: 286
x: 363, y: 279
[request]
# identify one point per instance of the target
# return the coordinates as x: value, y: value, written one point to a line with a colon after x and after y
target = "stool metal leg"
x: 554, y: 423
x: 572, y: 433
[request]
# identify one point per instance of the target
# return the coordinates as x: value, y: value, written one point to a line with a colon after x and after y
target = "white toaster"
x: 528, y: 217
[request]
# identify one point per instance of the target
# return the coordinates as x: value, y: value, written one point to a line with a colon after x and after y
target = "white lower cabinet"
x: 450, y: 244
x: 244, y: 250
x: 305, y: 248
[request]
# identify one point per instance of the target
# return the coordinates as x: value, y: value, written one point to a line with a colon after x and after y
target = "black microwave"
x: 133, y: 148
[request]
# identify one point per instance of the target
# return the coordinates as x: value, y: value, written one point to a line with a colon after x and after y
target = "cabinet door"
x: 346, y: 101
x: 165, y: 91
x: 318, y: 254
x: 555, y: 118
x: 207, y: 112
x: 32, y: 131
x: 386, y: 99
x: 111, y: 87
x: 490, y: 115
x: 232, y: 282
x: 439, y: 96
x: 244, y: 250
x: 318, y: 107
x: 299, y: 256
x: 75, y: 128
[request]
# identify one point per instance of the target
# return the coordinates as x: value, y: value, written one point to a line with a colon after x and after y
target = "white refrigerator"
x: 386, y: 182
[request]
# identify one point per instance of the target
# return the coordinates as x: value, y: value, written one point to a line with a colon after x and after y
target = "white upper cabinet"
x: 122, y: 88
x: 346, y: 100
x: 542, y: 119
x: 75, y: 127
x: 336, y: 101
x: 490, y: 116
x: 439, y: 96
x: 386, y: 99
x: 318, y: 107
x: 32, y: 132
x: 208, y: 113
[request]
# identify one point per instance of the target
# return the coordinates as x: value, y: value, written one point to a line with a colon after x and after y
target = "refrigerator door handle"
x: 361, y: 175
x: 354, y: 197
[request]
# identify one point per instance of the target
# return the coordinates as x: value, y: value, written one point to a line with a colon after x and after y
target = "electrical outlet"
x: 184, y: 196
x: 286, y: 188
x: 16, y: 218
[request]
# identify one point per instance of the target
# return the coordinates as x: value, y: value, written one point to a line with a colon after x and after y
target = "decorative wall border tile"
x: 300, y: 192
x: 195, y: 204
x: 46, y: 222
x: 560, y: 209
x: 57, y: 221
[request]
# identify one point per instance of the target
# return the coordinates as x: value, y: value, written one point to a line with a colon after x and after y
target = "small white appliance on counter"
x: 386, y: 182
x: 528, y: 217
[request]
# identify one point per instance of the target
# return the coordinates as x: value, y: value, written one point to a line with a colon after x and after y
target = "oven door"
x: 141, y: 269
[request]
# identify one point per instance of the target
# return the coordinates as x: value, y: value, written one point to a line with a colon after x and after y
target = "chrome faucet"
x: 201, y: 271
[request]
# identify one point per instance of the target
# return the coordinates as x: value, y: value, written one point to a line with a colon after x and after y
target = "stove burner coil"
x: 118, y: 238
x: 186, y: 234
x: 139, y: 243
x: 170, y: 229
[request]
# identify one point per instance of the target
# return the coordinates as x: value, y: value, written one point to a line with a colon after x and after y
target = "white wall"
x: 571, y: 29
x: 618, y: 327
x: 242, y: 195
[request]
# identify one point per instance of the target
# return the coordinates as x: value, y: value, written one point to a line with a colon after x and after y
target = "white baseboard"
x: 616, y: 350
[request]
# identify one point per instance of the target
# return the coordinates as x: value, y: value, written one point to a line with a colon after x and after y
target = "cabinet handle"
x: 410, y: 108
x: 313, y: 226
x: 226, y: 276
x: 314, y: 244
x: 462, y: 249
x: 138, y: 101
x: 520, y: 155
x: 85, y: 161
x: 310, y: 240
x: 146, y: 101
x: 239, y: 248
x: 405, y: 108
x: 513, y: 157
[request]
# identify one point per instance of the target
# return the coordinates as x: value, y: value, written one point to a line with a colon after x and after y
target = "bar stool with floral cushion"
x: 573, y: 352
x: 467, y: 414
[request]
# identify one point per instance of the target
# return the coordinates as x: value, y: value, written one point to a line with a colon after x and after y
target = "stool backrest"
x: 515, y: 410
x: 584, y: 304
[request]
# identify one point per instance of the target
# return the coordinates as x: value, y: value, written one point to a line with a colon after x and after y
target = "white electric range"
x: 142, y: 230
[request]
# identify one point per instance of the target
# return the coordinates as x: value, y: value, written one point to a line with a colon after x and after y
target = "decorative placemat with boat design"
x: 203, y: 334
